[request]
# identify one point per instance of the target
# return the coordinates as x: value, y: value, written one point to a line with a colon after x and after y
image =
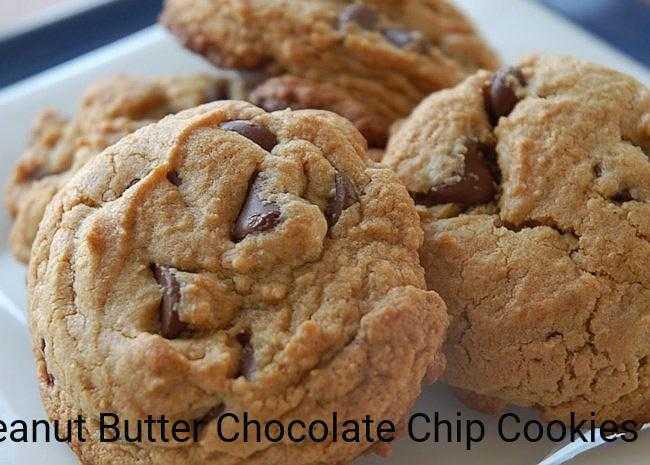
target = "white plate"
x: 514, y: 27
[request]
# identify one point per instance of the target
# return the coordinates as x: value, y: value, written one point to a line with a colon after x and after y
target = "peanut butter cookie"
x: 109, y: 110
x: 384, y: 55
x: 231, y: 260
x: 534, y: 188
x: 300, y: 94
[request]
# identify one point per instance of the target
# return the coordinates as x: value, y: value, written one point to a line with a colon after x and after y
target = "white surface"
x: 514, y: 27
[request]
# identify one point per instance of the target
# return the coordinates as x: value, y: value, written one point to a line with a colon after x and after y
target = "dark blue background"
x: 39, y: 49
x: 623, y: 23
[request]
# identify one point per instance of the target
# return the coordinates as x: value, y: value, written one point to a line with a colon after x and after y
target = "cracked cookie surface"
x: 534, y: 189
x: 110, y: 109
x: 386, y: 55
x: 227, y: 259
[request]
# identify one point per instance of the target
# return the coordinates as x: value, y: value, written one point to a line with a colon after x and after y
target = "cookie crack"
x: 571, y: 232
x: 542, y: 222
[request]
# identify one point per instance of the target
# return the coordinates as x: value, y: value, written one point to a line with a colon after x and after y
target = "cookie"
x: 110, y: 109
x: 534, y: 187
x: 382, y: 57
x: 231, y: 260
x: 300, y: 94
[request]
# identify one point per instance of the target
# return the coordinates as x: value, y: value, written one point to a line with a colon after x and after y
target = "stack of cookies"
x: 192, y: 254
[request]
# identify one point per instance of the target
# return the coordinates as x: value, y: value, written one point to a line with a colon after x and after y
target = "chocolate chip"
x: 623, y: 196
x: 362, y: 15
x: 490, y: 157
x: 247, y: 361
x: 598, y: 170
x: 174, y: 178
x: 345, y: 196
x: 252, y: 131
x: 501, y: 96
x: 409, y: 40
x: 170, y: 323
x: 476, y: 186
x: 256, y: 215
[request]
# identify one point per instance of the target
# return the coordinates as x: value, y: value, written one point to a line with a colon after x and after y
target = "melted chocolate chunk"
x: 501, y: 96
x: 252, y: 131
x: 623, y: 196
x: 170, y: 323
x: 598, y: 170
x: 256, y: 215
x: 174, y: 178
x: 476, y: 185
x: 345, y: 196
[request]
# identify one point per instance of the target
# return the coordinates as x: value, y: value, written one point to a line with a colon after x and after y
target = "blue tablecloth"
x: 623, y: 23
x: 39, y: 49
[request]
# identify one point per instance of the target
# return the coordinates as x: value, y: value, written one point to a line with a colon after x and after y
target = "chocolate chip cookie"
x: 109, y: 110
x: 229, y: 260
x: 373, y: 61
x: 534, y: 188
x: 300, y: 93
